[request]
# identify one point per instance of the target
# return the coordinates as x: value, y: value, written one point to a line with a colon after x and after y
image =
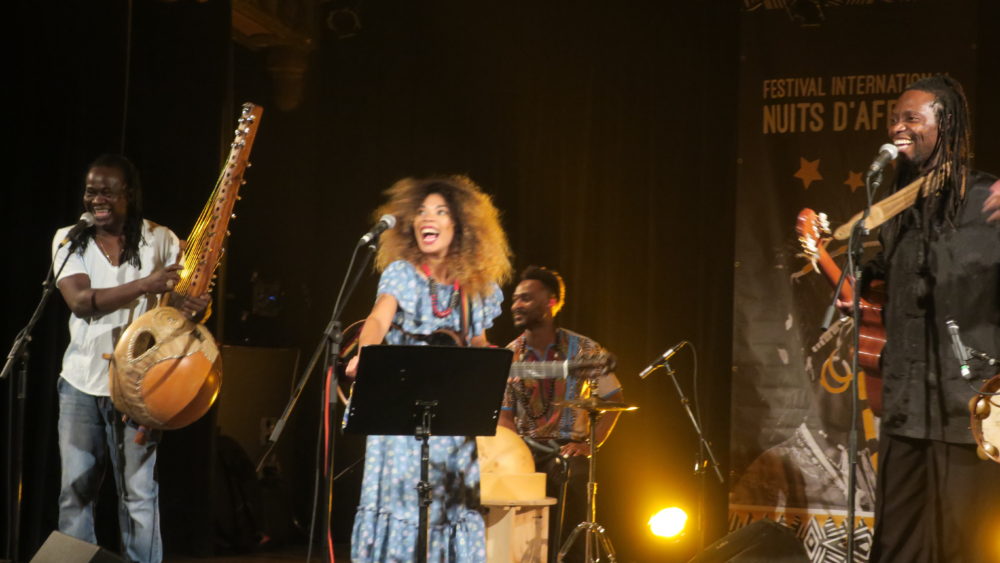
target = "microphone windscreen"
x: 891, y: 149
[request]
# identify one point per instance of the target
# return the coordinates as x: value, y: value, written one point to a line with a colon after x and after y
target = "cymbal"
x: 596, y: 404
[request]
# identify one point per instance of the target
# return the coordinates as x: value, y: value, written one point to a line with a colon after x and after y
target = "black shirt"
x: 952, y: 274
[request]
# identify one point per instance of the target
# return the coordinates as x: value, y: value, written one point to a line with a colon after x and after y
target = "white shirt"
x: 84, y: 366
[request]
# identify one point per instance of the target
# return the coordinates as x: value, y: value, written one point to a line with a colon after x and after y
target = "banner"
x: 818, y: 82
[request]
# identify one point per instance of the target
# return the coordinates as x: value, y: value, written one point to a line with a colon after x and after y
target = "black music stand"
x: 405, y: 390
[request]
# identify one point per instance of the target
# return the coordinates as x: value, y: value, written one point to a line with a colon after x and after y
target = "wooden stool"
x: 517, y: 530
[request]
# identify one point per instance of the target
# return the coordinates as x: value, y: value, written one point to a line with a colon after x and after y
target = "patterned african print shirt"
x: 532, y: 400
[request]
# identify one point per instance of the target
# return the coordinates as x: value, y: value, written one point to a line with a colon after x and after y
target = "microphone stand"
x: 336, y: 337
x: 703, y: 448
x: 854, y: 254
x: 330, y: 341
x: 17, y: 397
x: 686, y: 403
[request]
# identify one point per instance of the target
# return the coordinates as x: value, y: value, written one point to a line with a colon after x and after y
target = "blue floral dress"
x: 387, y: 520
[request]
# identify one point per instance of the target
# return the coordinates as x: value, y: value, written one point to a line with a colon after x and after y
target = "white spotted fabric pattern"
x: 387, y: 519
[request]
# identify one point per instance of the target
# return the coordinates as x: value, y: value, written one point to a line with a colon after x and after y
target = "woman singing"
x: 449, y: 247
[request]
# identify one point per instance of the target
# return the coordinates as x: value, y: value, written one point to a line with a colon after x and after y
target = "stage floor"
x: 278, y: 555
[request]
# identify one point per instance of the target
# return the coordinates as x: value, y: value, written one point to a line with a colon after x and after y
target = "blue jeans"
x: 90, y: 432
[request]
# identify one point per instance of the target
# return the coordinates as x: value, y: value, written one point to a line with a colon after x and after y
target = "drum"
x: 985, y: 421
x: 504, y: 453
x: 166, y: 370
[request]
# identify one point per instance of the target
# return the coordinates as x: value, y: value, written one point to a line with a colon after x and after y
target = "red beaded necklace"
x: 433, y: 285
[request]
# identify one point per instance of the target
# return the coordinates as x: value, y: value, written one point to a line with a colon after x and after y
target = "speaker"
x: 763, y: 541
x: 259, y: 383
x: 60, y: 548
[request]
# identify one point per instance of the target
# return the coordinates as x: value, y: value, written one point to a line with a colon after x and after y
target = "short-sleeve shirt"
x: 415, y: 313
x: 84, y: 366
x: 531, y: 400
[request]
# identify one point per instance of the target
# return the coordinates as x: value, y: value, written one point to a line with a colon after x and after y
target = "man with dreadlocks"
x: 109, y: 276
x: 528, y: 407
x: 940, y: 259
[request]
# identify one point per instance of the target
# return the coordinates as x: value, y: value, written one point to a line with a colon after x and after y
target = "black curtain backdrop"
x: 606, y: 133
x: 606, y: 141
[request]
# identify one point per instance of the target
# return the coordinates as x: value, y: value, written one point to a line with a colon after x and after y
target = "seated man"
x: 528, y: 404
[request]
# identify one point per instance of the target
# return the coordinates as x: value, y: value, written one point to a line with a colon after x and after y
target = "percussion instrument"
x: 985, y: 420
x: 596, y: 404
x: 594, y: 536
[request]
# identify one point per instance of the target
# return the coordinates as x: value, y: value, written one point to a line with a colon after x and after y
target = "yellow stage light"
x: 668, y: 523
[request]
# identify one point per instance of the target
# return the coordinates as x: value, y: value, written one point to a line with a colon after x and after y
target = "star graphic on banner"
x: 853, y: 181
x: 808, y: 172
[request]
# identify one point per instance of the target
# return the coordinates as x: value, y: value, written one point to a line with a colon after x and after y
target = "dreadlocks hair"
x: 479, y: 255
x: 953, y: 148
x: 551, y: 280
x: 132, y: 229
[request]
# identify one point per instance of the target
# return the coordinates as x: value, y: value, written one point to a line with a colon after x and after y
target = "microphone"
x: 886, y: 154
x: 385, y: 223
x: 85, y: 222
x: 662, y: 359
x: 961, y: 352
